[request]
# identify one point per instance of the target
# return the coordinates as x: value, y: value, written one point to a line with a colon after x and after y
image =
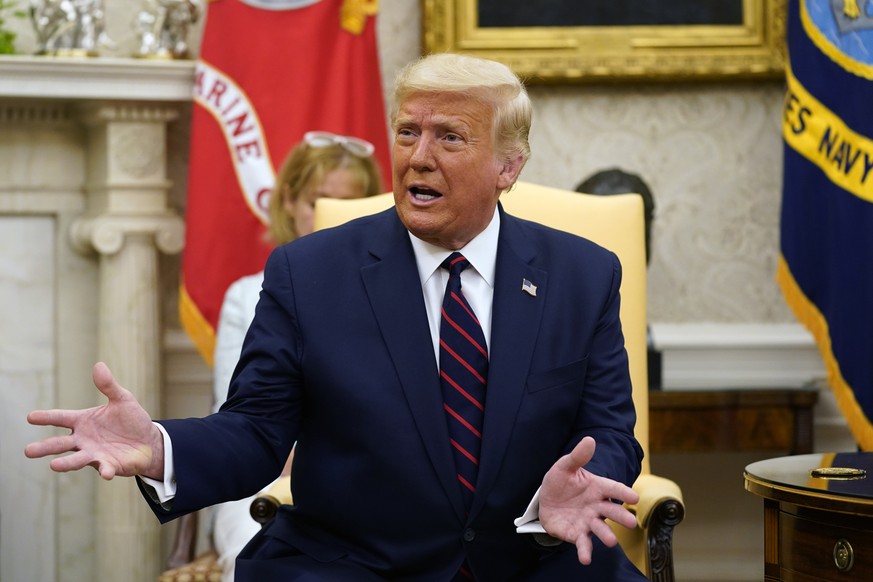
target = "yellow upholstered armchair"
x: 615, y: 222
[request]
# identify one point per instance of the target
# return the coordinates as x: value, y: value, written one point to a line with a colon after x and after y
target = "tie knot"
x: 455, y: 263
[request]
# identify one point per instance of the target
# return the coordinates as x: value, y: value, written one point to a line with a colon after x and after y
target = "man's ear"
x: 509, y: 172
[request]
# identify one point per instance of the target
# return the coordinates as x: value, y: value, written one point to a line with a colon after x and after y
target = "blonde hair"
x: 304, y: 168
x: 488, y: 81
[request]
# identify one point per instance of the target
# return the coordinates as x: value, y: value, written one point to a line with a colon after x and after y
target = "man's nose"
x: 422, y: 154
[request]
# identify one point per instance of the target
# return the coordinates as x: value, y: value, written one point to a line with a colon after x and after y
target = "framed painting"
x: 578, y: 41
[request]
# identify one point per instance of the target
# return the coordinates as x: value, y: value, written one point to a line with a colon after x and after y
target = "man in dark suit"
x: 348, y: 357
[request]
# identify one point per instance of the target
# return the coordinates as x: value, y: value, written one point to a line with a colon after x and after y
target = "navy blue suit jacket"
x: 340, y: 359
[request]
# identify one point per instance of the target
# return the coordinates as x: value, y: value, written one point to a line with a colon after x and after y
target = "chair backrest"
x: 615, y: 222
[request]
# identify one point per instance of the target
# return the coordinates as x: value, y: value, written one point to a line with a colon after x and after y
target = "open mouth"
x: 424, y: 194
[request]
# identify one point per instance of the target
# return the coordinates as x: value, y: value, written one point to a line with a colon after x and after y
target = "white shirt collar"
x: 481, y: 252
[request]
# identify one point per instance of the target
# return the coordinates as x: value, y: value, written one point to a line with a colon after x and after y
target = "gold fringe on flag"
x: 354, y: 13
x: 196, y: 326
x: 809, y: 315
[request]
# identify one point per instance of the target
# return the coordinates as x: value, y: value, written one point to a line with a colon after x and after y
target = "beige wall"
x: 711, y: 153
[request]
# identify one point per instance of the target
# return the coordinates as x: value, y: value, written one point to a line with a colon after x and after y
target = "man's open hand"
x: 574, y: 502
x: 117, y: 438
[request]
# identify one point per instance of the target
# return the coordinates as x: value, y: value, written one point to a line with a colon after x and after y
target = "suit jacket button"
x: 469, y: 534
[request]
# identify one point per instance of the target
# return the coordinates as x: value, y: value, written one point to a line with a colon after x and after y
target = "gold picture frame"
x: 579, y: 54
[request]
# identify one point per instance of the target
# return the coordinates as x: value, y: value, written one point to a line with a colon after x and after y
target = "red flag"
x: 268, y: 72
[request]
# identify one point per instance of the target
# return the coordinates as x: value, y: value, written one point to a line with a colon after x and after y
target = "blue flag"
x: 826, y: 266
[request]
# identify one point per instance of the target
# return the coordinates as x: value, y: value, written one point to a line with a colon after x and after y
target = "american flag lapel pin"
x: 528, y: 287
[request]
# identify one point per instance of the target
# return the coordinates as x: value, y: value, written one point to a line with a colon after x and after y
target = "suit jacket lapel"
x: 394, y: 290
x: 515, y: 321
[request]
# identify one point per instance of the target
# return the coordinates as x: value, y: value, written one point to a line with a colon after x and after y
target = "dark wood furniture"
x: 731, y: 420
x: 815, y: 528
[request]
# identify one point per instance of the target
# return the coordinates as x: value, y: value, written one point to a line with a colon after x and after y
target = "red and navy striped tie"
x: 463, y: 375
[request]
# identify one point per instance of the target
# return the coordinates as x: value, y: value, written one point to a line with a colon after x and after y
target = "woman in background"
x: 322, y: 165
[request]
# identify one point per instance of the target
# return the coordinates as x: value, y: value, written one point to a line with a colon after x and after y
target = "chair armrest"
x: 266, y: 504
x: 654, y: 491
x: 659, y: 510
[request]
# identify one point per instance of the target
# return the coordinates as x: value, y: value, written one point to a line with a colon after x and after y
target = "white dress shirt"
x: 477, y: 280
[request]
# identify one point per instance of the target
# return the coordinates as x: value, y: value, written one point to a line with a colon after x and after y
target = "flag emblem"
x: 826, y: 226
x: 246, y: 119
x: 528, y: 287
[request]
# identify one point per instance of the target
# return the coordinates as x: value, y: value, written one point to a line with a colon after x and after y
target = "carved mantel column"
x: 128, y: 223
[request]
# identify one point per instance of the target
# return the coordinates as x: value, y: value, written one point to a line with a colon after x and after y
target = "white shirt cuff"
x: 529, y: 521
x: 164, y: 491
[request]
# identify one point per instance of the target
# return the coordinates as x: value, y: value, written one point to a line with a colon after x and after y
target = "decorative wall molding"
x: 30, y: 113
x: 106, y: 234
x: 746, y: 355
x: 101, y: 78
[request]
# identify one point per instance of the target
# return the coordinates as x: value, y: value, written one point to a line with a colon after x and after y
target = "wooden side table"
x: 815, y: 528
x: 731, y: 420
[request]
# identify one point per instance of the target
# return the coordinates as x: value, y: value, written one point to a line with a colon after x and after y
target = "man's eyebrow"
x: 444, y: 122
x: 401, y: 121
x: 452, y: 123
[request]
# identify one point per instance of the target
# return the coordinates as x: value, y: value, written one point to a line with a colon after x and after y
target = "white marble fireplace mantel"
x: 95, y: 78
x: 84, y: 218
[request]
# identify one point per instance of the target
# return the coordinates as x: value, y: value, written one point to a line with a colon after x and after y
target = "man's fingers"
x: 80, y: 460
x: 72, y: 462
x: 578, y: 457
x: 603, y: 531
x: 106, y: 473
x: 584, y: 547
x: 50, y: 446
x: 105, y: 382
x: 620, y: 491
x: 61, y: 418
x: 620, y: 515
x: 583, y: 452
x: 106, y: 470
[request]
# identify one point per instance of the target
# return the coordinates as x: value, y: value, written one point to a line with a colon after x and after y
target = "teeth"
x: 423, y: 194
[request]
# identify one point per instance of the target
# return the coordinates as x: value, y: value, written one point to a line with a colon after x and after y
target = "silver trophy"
x: 69, y: 27
x: 162, y: 27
